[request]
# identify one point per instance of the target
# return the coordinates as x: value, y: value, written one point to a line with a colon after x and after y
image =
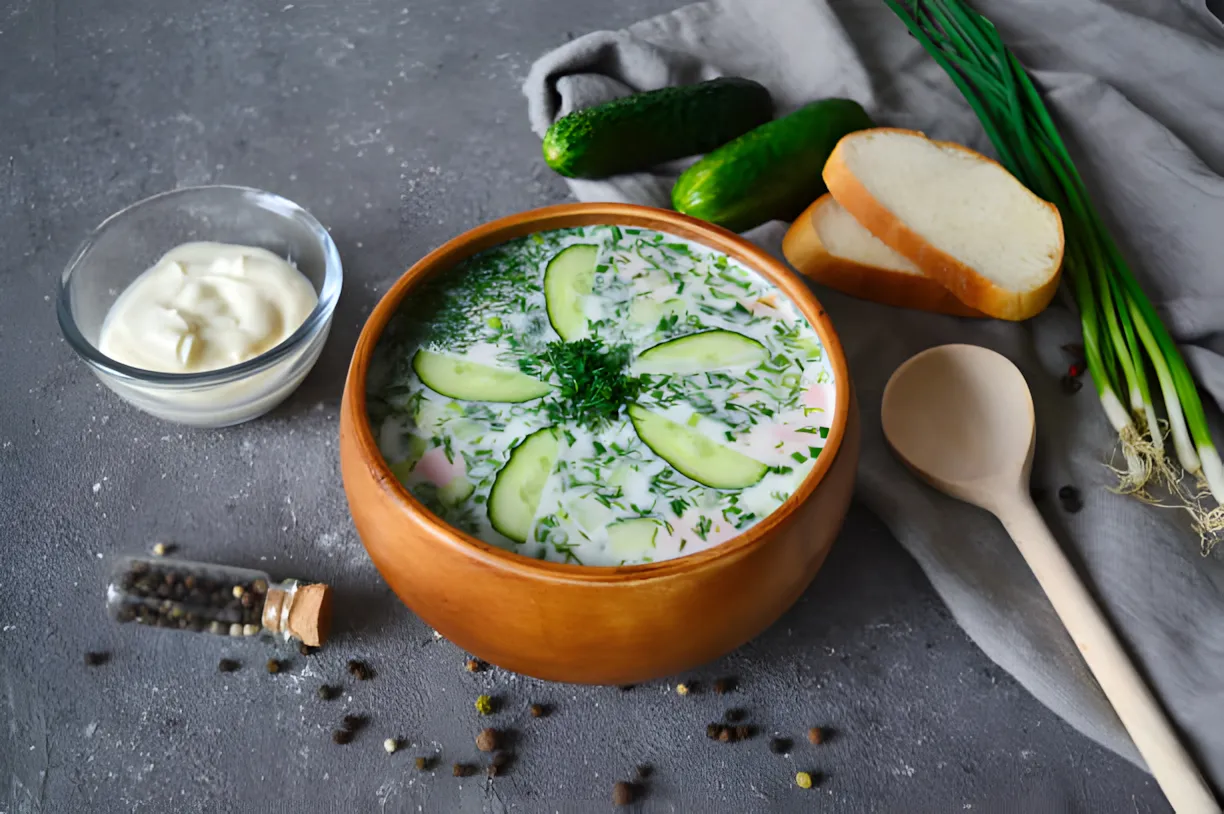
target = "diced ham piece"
x: 435, y: 468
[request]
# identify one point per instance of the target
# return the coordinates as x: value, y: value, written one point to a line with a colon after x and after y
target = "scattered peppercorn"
x: 275, y: 666
x: 539, y: 711
x: 1070, y: 499
x: 359, y: 670
x: 743, y: 732
x: 1070, y: 384
x: 306, y: 650
x: 474, y: 665
x: 725, y: 734
x: 734, y: 716
x: 162, y: 549
x: 645, y: 771
x: 391, y: 745
x: 623, y: 794
x: 96, y: 658
x: 462, y: 769
x: 487, y: 740
x: 354, y: 722
x: 327, y: 692
x: 714, y: 730
x: 683, y: 689
x: 228, y: 665
x: 780, y: 746
x: 424, y: 763
x: 803, y: 780
x: 485, y: 705
x: 342, y: 736
x: 724, y: 685
x: 815, y: 736
x: 626, y: 687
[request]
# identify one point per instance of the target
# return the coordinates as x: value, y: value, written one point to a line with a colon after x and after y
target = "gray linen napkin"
x: 1138, y: 86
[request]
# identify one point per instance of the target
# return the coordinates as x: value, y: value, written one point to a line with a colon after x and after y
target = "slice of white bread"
x: 828, y: 245
x: 961, y: 218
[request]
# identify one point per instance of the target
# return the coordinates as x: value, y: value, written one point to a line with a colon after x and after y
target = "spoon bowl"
x: 961, y: 416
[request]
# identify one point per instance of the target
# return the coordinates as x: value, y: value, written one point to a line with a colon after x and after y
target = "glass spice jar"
x: 218, y: 599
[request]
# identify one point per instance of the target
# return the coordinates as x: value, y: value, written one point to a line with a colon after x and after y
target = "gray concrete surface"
x: 399, y: 125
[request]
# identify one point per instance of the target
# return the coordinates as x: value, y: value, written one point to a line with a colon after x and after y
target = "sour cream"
x: 206, y: 306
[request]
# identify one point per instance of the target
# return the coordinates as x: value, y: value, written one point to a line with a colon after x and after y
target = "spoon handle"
x: 1138, y: 710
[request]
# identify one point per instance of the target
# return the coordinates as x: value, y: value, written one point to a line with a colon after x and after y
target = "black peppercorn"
x: 1070, y: 499
x: 354, y: 722
x: 724, y: 685
x: 625, y: 687
x: 275, y: 666
x: 342, y: 736
x: 424, y: 763
x: 96, y: 658
x: 462, y: 769
x: 713, y: 731
x: 623, y: 794
x: 303, y: 648
x: 474, y: 666
x: 743, y: 732
x: 733, y: 716
x: 780, y: 746
x: 228, y: 665
x: 538, y: 711
x: 645, y: 771
x: 327, y: 692
x: 359, y: 670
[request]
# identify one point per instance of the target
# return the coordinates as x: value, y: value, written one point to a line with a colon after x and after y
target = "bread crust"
x: 966, y: 284
x: 805, y: 251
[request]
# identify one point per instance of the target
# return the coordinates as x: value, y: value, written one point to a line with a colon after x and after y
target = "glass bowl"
x: 133, y: 239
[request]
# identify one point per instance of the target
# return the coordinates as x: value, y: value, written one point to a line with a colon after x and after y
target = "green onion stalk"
x: 1123, y: 334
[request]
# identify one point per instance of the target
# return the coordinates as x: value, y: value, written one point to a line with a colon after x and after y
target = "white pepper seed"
x: 682, y: 689
x: 160, y: 549
x: 390, y: 744
x: 235, y: 629
x: 250, y: 630
x: 238, y: 592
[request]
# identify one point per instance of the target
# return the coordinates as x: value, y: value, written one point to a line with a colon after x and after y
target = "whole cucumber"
x: 640, y: 131
x: 770, y: 173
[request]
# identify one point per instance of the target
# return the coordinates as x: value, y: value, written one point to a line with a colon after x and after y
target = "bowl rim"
x: 317, y: 319
x: 563, y: 216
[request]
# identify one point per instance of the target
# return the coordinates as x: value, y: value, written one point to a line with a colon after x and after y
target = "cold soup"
x: 601, y: 395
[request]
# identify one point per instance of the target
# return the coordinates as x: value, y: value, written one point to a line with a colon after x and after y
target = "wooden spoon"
x: 961, y: 417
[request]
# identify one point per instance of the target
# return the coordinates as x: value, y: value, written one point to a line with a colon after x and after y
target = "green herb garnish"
x: 592, y: 385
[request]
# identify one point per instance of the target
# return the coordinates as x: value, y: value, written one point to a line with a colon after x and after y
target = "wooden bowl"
x: 596, y: 625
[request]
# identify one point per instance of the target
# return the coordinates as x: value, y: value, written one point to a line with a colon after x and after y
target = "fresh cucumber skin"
x: 770, y: 173
x: 545, y: 439
x: 675, y: 349
x: 642, y: 420
x: 639, y: 131
x: 553, y: 289
x: 423, y: 359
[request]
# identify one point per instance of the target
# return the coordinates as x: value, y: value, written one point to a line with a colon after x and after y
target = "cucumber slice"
x: 470, y: 381
x: 709, y: 350
x: 694, y: 455
x: 630, y: 539
x: 569, y: 278
x: 516, y: 492
x: 457, y: 491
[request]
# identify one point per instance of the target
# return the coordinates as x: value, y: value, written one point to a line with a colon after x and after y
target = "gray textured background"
x: 399, y: 125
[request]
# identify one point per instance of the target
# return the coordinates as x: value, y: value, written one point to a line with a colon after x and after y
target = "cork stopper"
x: 310, y: 614
x: 304, y: 612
